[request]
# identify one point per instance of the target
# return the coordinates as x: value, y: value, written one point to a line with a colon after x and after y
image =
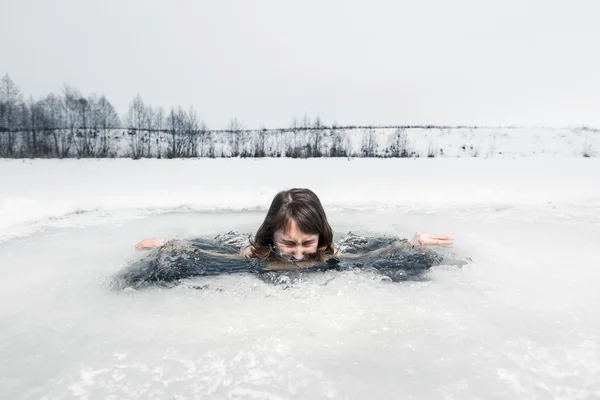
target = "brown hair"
x: 304, y: 207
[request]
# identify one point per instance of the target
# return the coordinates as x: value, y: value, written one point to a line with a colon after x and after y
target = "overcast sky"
x: 524, y: 62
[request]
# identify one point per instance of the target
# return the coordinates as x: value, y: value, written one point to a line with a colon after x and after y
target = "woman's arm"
x: 420, y: 240
x: 184, y: 245
x: 378, y: 252
x: 178, y: 244
x: 423, y: 239
x: 150, y: 243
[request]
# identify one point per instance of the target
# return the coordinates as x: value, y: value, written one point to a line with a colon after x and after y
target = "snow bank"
x: 35, y: 191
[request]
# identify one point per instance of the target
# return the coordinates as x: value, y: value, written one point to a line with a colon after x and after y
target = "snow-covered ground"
x: 37, y: 193
x: 519, y: 321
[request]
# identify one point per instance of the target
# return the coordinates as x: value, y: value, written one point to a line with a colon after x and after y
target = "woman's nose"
x: 298, y: 252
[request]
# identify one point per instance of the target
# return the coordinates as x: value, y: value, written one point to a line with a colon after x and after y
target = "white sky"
x: 371, y: 62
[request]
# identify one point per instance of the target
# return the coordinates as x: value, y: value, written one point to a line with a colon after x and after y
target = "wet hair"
x: 304, y: 207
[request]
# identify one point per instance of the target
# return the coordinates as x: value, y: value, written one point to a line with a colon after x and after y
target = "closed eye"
x: 307, y: 243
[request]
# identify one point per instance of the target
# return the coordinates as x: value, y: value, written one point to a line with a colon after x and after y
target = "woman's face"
x: 293, y: 242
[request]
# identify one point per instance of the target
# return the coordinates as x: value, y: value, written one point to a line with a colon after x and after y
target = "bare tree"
x: 72, y: 107
x: 87, y: 139
x: 235, y: 131
x: 22, y: 136
x: 192, y: 133
x: 33, y: 143
x: 305, y: 146
x: 54, y: 117
x: 259, y: 143
x: 159, y: 122
x: 292, y: 146
x: 3, y: 110
x: 338, y: 148
x: 148, y: 129
x: 207, y: 149
x: 306, y: 122
x: 136, y: 121
x: 369, y: 144
x: 399, y: 144
x: 176, y: 126
x: 11, y: 98
x: 317, y: 132
x: 107, y: 121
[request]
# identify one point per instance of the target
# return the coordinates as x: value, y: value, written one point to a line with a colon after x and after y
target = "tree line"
x: 70, y: 124
x: 58, y: 126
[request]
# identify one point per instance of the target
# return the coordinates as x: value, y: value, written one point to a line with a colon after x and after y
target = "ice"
x: 519, y: 321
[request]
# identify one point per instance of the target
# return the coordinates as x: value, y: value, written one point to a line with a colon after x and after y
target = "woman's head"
x: 295, y: 226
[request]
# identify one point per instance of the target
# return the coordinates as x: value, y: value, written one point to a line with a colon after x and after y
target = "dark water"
x: 178, y: 260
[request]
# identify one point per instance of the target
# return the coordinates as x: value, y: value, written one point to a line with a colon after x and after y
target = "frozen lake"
x: 519, y: 321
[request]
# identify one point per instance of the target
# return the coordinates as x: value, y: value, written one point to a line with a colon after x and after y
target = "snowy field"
x: 520, y: 321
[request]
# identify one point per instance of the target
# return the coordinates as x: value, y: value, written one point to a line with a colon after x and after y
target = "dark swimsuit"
x: 180, y: 260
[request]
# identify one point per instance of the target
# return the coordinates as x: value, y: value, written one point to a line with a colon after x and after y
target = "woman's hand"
x: 150, y: 243
x: 423, y: 239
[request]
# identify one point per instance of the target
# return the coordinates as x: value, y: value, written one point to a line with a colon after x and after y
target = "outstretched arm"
x: 182, y: 245
x: 150, y: 243
x: 423, y: 239
x: 420, y: 240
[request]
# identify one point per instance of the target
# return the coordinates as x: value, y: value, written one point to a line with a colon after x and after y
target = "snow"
x: 39, y: 192
x: 519, y: 321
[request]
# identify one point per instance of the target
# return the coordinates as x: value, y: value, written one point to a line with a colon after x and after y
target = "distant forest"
x: 70, y: 125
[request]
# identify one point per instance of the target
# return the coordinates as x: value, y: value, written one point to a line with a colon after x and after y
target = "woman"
x: 296, y: 229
